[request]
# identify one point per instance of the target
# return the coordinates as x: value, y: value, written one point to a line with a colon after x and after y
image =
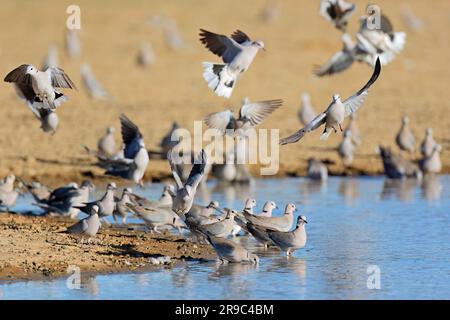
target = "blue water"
x: 401, y: 229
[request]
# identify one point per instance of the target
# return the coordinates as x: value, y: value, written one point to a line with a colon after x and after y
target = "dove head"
x: 250, y: 203
x: 347, y: 134
x: 405, y: 120
x: 88, y: 184
x: 269, y: 205
x: 95, y: 209
x: 301, y: 220
x: 429, y: 131
x: 258, y: 44
x: 110, y: 130
x: 127, y: 191
x: 31, y: 70
x: 290, y: 209
x: 437, y: 148
x: 111, y: 186
x: 336, y: 97
x: 213, y: 204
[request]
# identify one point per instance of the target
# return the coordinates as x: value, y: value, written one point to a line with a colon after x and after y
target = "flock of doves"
x: 176, y: 208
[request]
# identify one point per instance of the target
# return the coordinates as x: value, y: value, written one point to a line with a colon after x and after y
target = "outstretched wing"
x: 313, y: 125
x: 131, y: 137
x: 240, y: 37
x: 219, y: 120
x: 59, y: 78
x: 19, y: 75
x: 197, y: 170
x: 339, y: 62
x: 221, y: 45
x: 355, y: 101
x: 256, y: 112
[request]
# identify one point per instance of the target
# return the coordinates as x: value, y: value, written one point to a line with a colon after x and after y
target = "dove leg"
x: 340, y: 127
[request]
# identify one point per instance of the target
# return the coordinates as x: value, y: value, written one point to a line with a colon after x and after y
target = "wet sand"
x: 36, y: 248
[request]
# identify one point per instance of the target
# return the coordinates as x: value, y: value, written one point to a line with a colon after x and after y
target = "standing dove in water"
x: 185, y: 193
x: 237, y: 52
x: 41, y: 85
x: 432, y: 163
x: 134, y: 163
x: 405, y: 138
x: 230, y: 251
x: 290, y: 241
x: 428, y: 143
x: 336, y: 112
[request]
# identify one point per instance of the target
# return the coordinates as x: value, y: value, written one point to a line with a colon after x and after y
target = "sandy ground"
x: 416, y: 83
x: 37, y: 247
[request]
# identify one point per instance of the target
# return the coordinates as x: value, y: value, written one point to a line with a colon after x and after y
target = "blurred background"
x: 171, y: 88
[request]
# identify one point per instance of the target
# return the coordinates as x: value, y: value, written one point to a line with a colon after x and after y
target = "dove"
x: 338, y: 12
x: 157, y: 217
x: 352, y: 127
x: 250, y: 115
x: 88, y: 226
x: 396, y: 167
x: 146, y: 55
x: 121, y: 210
x: 8, y: 195
x: 317, y: 170
x: 219, y: 229
x: 346, y: 148
x: 428, y: 143
x: 432, y: 163
x: 135, y: 158
x: 166, y: 199
x: 306, y: 113
x: 106, y: 145
x: 230, y: 251
x: 93, y: 87
x: 405, y: 138
x: 185, y: 193
x: 237, y: 53
x: 41, y: 85
x: 278, y: 223
x: 336, y: 112
x: 290, y: 241
x: 167, y: 143
x: 106, y: 203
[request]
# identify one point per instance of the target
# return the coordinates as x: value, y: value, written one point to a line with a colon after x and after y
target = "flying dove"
x: 338, y: 12
x: 336, y: 112
x: 237, y: 53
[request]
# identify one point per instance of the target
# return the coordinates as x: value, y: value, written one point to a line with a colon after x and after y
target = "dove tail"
x: 325, y: 134
x: 219, y: 79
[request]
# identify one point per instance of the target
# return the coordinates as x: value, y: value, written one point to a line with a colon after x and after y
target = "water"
x: 356, y: 226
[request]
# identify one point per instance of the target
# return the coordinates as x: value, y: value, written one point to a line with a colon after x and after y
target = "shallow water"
x: 356, y: 226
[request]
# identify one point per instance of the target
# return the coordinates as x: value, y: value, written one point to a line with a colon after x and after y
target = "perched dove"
x: 88, y: 226
x: 106, y: 145
x: 346, y: 148
x: 185, y: 193
x: 8, y: 195
x: 317, y: 170
x: 40, y: 85
x: 432, y: 163
x: 250, y: 115
x: 93, y: 87
x: 405, y: 138
x: 106, y: 203
x: 134, y: 163
x: 396, y: 167
x: 121, y: 210
x: 306, y: 113
x: 237, y: 53
x: 428, y: 143
x: 338, y: 12
x: 334, y: 115
x: 290, y: 241
x: 146, y: 55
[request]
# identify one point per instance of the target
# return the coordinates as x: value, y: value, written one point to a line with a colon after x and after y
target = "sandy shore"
x: 36, y: 248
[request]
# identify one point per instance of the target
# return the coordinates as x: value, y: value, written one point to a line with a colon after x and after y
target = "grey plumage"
x: 106, y: 203
x: 317, y: 170
x: 88, y: 226
x: 346, y: 148
x: 432, y: 163
x: 428, y: 143
x: 290, y: 241
x: 231, y: 251
x: 157, y: 217
x: 120, y: 209
x: 93, y: 87
x: 106, y: 145
x: 8, y: 195
x: 306, y: 113
x: 278, y: 223
x: 405, y: 138
x: 396, y: 167
x: 338, y: 12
